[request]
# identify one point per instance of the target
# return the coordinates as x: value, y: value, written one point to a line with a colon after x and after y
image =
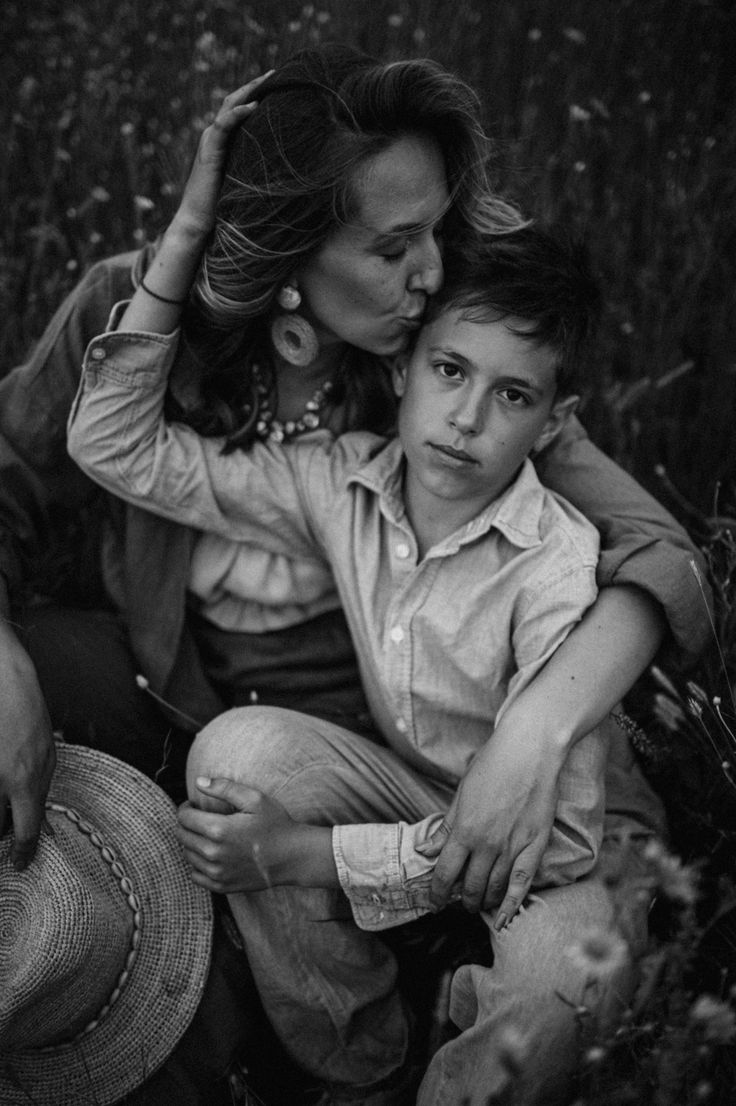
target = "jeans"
x: 329, y: 988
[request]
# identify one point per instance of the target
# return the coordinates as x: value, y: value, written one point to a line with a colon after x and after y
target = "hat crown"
x: 67, y: 930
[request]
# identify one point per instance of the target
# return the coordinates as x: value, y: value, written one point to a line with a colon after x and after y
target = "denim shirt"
x: 148, y: 558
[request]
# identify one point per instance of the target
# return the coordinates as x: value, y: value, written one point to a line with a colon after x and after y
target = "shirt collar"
x: 516, y: 513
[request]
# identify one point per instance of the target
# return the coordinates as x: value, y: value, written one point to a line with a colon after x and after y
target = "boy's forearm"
x: 591, y: 670
x: 311, y: 862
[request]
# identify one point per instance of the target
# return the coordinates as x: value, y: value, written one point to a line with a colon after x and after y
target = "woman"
x: 209, y: 627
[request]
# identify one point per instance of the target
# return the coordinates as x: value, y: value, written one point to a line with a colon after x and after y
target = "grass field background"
x: 614, y: 118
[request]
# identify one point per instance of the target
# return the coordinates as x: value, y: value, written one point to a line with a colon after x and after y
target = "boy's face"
x: 476, y: 399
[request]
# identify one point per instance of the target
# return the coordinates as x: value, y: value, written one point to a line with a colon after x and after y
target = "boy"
x: 459, y: 575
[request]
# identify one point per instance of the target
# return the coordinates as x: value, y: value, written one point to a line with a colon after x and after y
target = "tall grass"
x: 615, y: 118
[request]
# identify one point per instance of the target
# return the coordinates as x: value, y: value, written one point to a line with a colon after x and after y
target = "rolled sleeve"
x: 384, y: 878
x: 641, y: 543
x: 671, y: 575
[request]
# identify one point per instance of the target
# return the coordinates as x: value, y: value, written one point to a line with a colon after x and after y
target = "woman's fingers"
x: 239, y: 104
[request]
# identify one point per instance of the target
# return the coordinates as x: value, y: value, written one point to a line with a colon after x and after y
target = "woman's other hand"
x: 196, y: 212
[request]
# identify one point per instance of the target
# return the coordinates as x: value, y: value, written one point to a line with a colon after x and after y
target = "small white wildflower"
x: 599, y: 953
x: 205, y: 42
x: 578, y: 114
x: 715, y: 1018
x: 675, y: 880
x: 395, y: 20
x: 100, y: 194
x: 143, y: 203
x: 644, y: 97
x: 580, y: 166
x: 573, y: 34
x: 534, y: 34
x: 126, y: 129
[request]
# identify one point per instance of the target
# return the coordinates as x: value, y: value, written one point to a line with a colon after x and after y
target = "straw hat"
x: 105, y: 940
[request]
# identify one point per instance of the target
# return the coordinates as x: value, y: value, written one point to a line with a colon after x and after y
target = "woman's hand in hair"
x: 196, y: 213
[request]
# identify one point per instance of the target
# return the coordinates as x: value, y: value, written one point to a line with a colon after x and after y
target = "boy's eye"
x: 448, y: 370
x: 514, y: 396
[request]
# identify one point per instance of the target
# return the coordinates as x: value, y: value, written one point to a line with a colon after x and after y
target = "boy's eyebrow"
x: 465, y: 362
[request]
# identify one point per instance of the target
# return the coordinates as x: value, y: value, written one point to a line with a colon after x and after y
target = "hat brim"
x: 138, y: 821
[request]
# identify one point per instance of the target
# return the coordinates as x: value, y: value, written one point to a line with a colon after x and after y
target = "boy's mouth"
x: 457, y: 455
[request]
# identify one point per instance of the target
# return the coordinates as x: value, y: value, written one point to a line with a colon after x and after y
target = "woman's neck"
x: 297, y: 384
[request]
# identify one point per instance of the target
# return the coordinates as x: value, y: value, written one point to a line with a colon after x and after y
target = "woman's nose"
x: 427, y: 277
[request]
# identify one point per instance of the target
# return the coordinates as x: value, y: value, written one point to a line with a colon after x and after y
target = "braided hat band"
x: 104, y: 940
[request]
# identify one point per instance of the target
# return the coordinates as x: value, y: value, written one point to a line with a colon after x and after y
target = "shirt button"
x: 402, y: 550
x: 401, y: 725
x: 98, y: 354
x: 397, y: 634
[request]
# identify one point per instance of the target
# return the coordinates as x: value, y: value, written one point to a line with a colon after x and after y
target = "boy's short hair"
x: 529, y: 275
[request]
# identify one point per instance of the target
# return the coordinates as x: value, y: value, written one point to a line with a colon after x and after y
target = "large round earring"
x: 288, y: 297
x: 294, y: 338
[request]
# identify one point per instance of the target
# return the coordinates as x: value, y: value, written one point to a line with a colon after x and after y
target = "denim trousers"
x: 330, y: 988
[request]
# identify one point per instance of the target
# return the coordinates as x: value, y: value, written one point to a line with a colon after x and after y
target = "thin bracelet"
x: 164, y: 299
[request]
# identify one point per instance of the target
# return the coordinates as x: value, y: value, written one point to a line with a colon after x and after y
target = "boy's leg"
x: 328, y: 987
x: 518, y: 1018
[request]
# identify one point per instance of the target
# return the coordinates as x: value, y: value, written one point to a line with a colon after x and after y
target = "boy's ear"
x: 398, y: 373
x: 558, y: 416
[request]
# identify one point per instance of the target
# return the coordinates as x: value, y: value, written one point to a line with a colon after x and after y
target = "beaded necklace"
x: 269, y: 428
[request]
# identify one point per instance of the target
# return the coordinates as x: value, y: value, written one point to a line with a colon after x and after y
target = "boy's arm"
x: 238, y: 839
x: 642, y: 546
x: 499, y: 823
x: 516, y: 773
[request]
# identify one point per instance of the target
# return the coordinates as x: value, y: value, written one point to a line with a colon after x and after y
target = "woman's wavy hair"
x: 289, y: 183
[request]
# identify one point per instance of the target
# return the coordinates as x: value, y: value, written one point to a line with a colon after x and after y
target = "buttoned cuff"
x: 385, y: 879
x: 130, y: 357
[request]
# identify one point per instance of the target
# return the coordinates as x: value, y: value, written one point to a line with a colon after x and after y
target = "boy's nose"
x: 467, y: 417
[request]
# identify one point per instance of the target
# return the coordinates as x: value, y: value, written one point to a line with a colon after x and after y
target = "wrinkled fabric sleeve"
x: 37, y: 477
x: 641, y: 543
x: 385, y: 879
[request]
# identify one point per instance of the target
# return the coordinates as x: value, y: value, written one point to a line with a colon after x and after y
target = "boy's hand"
x: 248, y: 847
x: 497, y: 827
x: 196, y: 213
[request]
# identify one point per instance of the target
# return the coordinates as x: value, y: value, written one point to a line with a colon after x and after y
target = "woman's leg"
x: 87, y: 675
x: 328, y: 987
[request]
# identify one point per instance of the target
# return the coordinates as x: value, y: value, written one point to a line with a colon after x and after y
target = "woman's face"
x: 369, y: 283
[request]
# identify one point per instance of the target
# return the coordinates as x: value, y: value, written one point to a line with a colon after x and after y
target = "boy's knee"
x: 249, y: 744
